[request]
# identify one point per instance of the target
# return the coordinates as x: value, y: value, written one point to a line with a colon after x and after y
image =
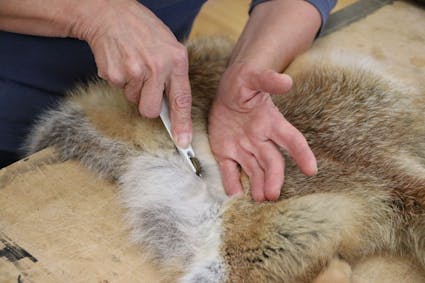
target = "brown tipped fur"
x: 369, y: 196
x: 368, y: 135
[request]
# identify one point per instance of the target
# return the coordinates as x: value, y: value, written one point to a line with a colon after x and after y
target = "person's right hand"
x: 135, y: 51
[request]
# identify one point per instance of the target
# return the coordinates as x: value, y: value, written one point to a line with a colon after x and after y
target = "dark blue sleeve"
x: 323, y: 6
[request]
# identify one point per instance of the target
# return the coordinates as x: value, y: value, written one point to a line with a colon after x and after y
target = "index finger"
x: 180, y: 103
x: 292, y: 140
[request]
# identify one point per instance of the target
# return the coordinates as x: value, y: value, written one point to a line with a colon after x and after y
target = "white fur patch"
x: 175, y: 215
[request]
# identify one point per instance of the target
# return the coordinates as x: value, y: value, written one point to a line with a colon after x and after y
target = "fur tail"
x: 73, y: 137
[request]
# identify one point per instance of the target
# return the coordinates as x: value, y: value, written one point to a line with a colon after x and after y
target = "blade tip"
x: 196, y: 165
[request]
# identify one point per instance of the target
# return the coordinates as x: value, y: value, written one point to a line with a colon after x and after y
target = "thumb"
x: 272, y: 82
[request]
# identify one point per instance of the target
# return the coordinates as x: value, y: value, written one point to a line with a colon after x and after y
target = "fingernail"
x: 315, y: 169
x: 183, y: 140
x: 288, y: 79
x: 236, y: 194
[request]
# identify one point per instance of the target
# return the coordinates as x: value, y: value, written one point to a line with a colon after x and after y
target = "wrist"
x: 90, y: 17
x: 82, y: 18
x: 43, y: 18
x: 276, y: 32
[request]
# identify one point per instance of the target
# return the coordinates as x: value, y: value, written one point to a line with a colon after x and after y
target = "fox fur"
x: 366, y: 130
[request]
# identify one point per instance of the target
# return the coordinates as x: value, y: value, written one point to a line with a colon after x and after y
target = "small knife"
x: 187, y: 153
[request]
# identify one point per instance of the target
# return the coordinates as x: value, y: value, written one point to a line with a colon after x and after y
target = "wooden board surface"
x: 59, y: 223
x: 69, y: 224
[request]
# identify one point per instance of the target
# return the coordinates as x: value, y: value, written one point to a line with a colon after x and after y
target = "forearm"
x: 38, y: 17
x: 58, y: 18
x: 276, y: 32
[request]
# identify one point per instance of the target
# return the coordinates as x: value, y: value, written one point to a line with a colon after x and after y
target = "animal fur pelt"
x: 368, y: 135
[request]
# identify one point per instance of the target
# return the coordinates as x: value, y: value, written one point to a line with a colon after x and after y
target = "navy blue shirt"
x: 36, y: 71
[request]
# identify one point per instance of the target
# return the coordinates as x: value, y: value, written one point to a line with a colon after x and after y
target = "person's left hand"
x: 245, y: 127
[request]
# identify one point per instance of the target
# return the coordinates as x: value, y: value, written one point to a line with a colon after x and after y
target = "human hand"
x: 245, y: 127
x: 136, y: 52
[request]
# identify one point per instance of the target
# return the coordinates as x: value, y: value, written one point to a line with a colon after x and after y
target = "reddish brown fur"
x: 369, y: 195
x: 367, y: 133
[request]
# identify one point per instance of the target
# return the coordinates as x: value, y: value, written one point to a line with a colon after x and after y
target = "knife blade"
x: 187, y: 153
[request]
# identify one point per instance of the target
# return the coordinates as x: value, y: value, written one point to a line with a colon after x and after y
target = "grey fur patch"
x: 171, y: 211
x: 74, y: 137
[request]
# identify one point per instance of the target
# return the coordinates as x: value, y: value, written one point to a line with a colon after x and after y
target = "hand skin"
x: 133, y: 49
x: 245, y: 127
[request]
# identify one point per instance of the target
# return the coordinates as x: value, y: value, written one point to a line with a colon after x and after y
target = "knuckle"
x: 180, y: 60
x: 156, y: 65
x: 134, y: 70
x: 115, y: 78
